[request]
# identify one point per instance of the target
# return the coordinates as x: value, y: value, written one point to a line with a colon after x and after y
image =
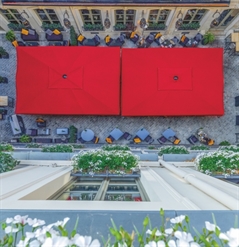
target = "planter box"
x: 4, y: 80
x: 4, y: 56
x: 107, y: 175
x: 179, y: 157
x: 155, y: 28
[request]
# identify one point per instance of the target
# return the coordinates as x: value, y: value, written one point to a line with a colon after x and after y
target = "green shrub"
x: 208, y: 38
x: 25, y: 139
x: 120, y: 26
x: 58, y: 149
x: 173, y: 150
x: 33, y: 145
x: 199, y: 147
x: 151, y: 147
x: 115, y: 147
x: 73, y: 134
x: 10, y: 36
x: 231, y: 148
x: 224, y: 143
x: 156, y: 26
x: 226, y: 162
x: 73, y: 36
x: 4, y: 147
x: 15, y: 27
x: 77, y: 146
x: 52, y: 26
x: 7, y: 162
x: 116, y: 161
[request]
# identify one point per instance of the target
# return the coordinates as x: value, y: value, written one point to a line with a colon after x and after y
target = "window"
x: 12, y: 15
x: 194, y: 16
x: 92, y: 17
x: 47, y: 16
x: 95, y: 189
x: 158, y: 16
x: 125, y: 16
x: 226, y: 18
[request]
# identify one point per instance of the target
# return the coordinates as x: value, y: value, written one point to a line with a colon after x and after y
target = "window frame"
x: 49, y: 21
x: 125, y: 14
x: 92, y: 21
x: 16, y: 20
x: 220, y: 25
x: 192, y: 20
x: 158, y: 15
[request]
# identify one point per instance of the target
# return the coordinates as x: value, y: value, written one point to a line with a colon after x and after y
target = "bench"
x: 43, y: 140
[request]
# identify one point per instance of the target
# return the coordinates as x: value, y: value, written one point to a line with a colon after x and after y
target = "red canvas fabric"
x: 149, y: 88
x: 91, y: 86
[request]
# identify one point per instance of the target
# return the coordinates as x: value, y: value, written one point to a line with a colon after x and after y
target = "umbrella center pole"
x: 64, y: 76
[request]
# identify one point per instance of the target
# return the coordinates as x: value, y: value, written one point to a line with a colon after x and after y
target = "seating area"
x: 232, y: 44
x: 82, y: 40
x: 118, y: 42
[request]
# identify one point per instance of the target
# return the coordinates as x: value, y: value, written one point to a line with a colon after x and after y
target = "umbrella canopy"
x: 68, y: 80
x: 172, y: 82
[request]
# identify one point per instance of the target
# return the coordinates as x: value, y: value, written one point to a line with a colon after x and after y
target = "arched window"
x: 226, y: 17
x: 125, y: 16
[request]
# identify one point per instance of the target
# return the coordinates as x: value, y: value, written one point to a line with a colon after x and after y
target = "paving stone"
x: 219, y: 128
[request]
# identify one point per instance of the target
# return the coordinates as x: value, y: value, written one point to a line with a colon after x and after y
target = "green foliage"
x: 151, y: 147
x: 25, y: 139
x: 115, y: 147
x: 231, y: 148
x: 208, y: 38
x: 173, y: 150
x: 5, y: 147
x: 33, y: 145
x: 52, y: 26
x: 10, y: 36
x: 60, y: 148
x: 7, y: 162
x: 2, y: 79
x: 15, y: 27
x: 73, y: 36
x: 224, y: 143
x: 156, y: 26
x: 120, y: 26
x: 73, y: 134
x: 190, y: 26
x: 93, y: 27
x: 226, y: 162
x: 105, y: 161
x: 199, y: 147
x: 2, y: 51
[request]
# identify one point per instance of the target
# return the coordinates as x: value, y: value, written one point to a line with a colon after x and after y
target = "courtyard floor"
x: 218, y: 128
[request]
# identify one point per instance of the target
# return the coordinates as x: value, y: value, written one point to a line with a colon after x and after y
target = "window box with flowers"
x: 52, y: 26
x: 156, y: 26
x: 120, y: 27
x: 190, y: 26
x: 93, y: 27
x: 104, y: 163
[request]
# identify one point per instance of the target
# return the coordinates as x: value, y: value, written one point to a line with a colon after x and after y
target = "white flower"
x: 9, y: 220
x: 10, y: 229
x: 18, y: 219
x: 148, y: 232
x: 169, y: 231
x: 171, y: 243
x: 34, y: 243
x: 211, y: 227
x: 232, y: 236
x: 86, y: 241
x: 56, y: 242
x: 35, y: 222
x: 178, y: 219
x: 62, y: 223
x: 183, y: 236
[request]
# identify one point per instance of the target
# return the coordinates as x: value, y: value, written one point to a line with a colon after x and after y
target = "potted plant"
x: 3, y: 79
x: 15, y: 27
x: 208, y: 38
x: 25, y: 139
x: 52, y: 26
x: 10, y: 36
x: 3, y: 53
x: 73, y: 36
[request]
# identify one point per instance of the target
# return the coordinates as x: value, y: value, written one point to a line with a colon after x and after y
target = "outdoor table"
x: 168, y: 133
x: 167, y: 43
x: 62, y: 131
x: 142, y: 133
x: 192, y: 43
x: 116, y: 134
x: 235, y: 37
x: 3, y: 100
x: 87, y: 135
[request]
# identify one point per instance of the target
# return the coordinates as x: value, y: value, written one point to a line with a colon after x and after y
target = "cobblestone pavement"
x: 219, y: 128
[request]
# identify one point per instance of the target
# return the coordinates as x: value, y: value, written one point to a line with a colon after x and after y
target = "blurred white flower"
x: 178, y: 219
x: 86, y: 241
x: 155, y: 244
x: 211, y: 227
x: 9, y: 220
x: 11, y: 229
x: 18, y: 219
x: 232, y: 236
x: 169, y: 231
x: 35, y: 222
x: 56, y: 242
x: 62, y: 223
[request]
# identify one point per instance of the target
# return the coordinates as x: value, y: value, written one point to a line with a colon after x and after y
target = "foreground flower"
x: 18, y: 219
x: 211, y: 227
x: 86, y: 241
x: 155, y: 244
x: 10, y: 229
x: 178, y: 219
x: 232, y: 236
x: 35, y: 222
x: 56, y: 242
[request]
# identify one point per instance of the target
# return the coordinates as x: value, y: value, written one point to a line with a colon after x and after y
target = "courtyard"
x: 219, y: 128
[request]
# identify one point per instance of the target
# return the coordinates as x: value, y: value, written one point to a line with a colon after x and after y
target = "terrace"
x: 220, y: 128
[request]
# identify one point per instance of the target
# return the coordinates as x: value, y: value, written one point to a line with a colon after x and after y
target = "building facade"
x: 112, y: 17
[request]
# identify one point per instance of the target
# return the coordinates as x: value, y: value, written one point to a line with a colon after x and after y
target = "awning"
x: 172, y: 82
x: 68, y: 80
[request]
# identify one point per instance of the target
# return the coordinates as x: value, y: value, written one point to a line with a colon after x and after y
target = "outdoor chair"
x: 174, y: 41
x: 175, y: 140
x: 149, y: 40
x: 31, y: 132
x: 237, y: 101
x: 109, y: 139
x: 89, y: 42
x: 134, y: 37
x: 44, y: 132
x: 137, y: 140
x: 161, y: 139
x: 237, y: 120
x: 183, y: 40
x: 54, y: 35
x: 157, y: 37
x: 95, y: 139
x: 210, y: 142
x: 149, y: 139
x: 81, y: 140
x: 127, y: 136
x: 41, y: 123
x: 29, y: 35
x: 192, y: 139
x: 198, y: 37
